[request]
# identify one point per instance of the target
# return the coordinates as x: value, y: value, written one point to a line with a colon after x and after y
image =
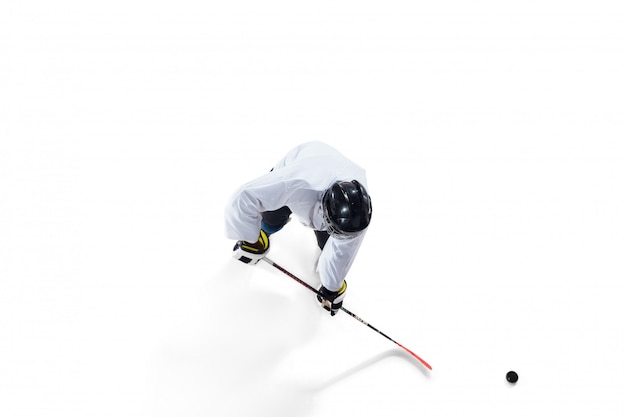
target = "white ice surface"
x: 495, y: 143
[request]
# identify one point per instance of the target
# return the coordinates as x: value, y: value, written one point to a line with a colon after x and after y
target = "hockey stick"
x: 345, y: 310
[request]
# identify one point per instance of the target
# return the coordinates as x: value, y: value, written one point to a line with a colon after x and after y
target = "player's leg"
x: 273, y: 221
x: 322, y: 238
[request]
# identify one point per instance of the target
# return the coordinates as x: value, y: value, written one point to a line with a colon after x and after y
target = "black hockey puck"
x: 512, y: 377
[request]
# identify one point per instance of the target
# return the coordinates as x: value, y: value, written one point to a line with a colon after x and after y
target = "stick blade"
x: 416, y: 357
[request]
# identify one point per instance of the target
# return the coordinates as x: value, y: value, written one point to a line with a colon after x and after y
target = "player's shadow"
x: 391, y: 353
x: 261, y: 322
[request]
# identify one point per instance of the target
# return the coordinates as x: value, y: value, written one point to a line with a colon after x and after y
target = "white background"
x: 493, y: 134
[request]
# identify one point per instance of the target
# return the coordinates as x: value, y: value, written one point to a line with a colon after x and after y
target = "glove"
x: 332, y: 300
x: 251, y: 253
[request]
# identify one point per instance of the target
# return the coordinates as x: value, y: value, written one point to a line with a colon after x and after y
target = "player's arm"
x: 333, y: 266
x: 243, y: 216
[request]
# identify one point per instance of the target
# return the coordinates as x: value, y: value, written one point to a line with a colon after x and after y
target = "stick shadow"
x: 391, y: 353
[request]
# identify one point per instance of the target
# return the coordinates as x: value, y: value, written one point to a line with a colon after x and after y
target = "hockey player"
x: 325, y: 191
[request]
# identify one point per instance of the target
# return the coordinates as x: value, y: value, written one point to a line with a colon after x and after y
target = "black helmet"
x: 347, y: 209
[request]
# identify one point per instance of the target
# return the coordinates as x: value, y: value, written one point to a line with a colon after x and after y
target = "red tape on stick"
x: 345, y: 310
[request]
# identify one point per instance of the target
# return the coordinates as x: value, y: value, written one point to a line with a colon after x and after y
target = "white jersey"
x: 299, y: 181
